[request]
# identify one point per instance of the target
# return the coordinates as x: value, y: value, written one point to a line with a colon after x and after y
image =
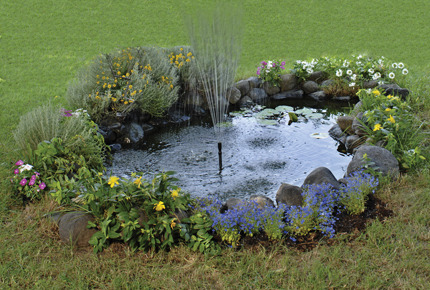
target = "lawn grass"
x: 44, y: 43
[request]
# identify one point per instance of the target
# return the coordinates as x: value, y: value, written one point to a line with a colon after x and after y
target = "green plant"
x: 26, y: 182
x: 270, y: 71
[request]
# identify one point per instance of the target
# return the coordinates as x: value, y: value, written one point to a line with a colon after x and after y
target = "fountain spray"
x: 215, y: 37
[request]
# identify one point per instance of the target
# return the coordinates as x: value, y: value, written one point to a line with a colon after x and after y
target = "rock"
x: 243, y: 86
x: 147, y: 128
x: 135, y: 132
x: 357, y: 108
x: 317, y: 76
x: 180, y: 214
x: 245, y: 101
x: 321, y: 175
x: 254, y: 82
x: 337, y: 134
x: 310, y: 87
x: 381, y: 159
x: 327, y: 83
x: 342, y: 98
x: 318, y: 95
x: 370, y: 84
x: 353, y: 142
x: 293, y: 94
x: 233, y: 95
x: 290, y: 195
x: 257, y: 95
x: 115, y: 148
x: 357, y: 125
x: 270, y: 89
x: 395, y: 90
x: 262, y: 201
x: 345, y: 123
x: 288, y: 82
x: 73, y: 228
x: 230, y: 203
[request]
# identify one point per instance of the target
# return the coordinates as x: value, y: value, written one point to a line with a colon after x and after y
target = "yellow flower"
x: 189, y: 54
x: 113, y: 99
x: 113, y: 180
x: 376, y: 92
x: 172, y: 224
x: 390, y: 96
x: 175, y: 193
x: 391, y: 119
x: 159, y: 206
x: 138, y: 182
x: 377, y: 127
x: 182, y: 49
x: 388, y: 109
x: 130, y: 86
x: 109, y: 86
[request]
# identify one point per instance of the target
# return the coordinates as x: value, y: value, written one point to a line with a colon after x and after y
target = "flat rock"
x: 292, y: 94
x: 318, y: 95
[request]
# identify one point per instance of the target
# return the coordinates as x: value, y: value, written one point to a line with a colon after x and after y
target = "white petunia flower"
x: 400, y: 65
x: 394, y: 65
x: 339, y: 73
x: 349, y: 72
x: 376, y: 76
x: 358, y: 63
x: 352, y: 84
x: 405, y: 71
x: 25, y: 167
x: 354, y: 77
x: 391, y: 75
x: 309, y: 70
x: 371, y: 70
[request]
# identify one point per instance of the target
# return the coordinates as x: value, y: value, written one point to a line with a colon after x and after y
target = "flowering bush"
x: 391, y: 120
x: 27, y: 182
x: 270, y: 71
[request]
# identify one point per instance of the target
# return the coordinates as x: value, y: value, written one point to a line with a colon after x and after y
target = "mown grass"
x: 44, y: 43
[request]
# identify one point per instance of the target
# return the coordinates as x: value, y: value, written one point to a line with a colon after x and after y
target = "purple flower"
x: 32, y: 181
x: 33, y: 177
x: 282, y: 67
x: 42, y: 186
x: 67, y: 113
x: 37, y: 173
x: 283, y: 63
x: 264, y: 63
x: 258, y: 72
x: 23, y: 182
x: 16, y: 171
x: 19, y: 163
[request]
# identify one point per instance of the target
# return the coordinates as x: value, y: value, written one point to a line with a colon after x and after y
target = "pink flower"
x: 16, y: 171
x: 283, y: 63
x: 33, y: 177
x: 264, y: 63
x: 19, y: 163
x: 32, y: 181
x: 23, y: 182
x: 42, y: 186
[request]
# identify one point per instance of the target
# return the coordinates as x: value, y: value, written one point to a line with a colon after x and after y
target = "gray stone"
x: 270, y: 89
x: 354, y: 141
x: 147, y: 128
x: 318, y: 95
x: 381, y: 160
x: 342, y: 98
x: 327, y: 83
x: 357, y: 108
x: 230, y: 204
x: 317, y: 76
x: 370, y: 84
x: 310, y: 87
x: 115, y: 147
x: 290, y: 195
x: 254, y: 82
x: 262, y: 201
x: 257, y: 95
x: 243, y: 87
x: 233, y: 95
x: 321, y: 175
x: 337, y: 134
x: 288, y: 82
x: 345, y: 123
x: 394, y: 89
x: 357, y: 125
x: 245, y: 101
x: 135, y: 132
x: 73, y: 228
x: 293, y: 94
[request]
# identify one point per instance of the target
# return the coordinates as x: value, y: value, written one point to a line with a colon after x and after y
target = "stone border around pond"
x: 348, y: 131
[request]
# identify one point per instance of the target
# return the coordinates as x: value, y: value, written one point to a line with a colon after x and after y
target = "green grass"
x: 44, y: 43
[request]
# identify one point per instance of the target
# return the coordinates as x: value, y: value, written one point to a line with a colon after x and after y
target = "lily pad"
x: 284, y: 109
x: 319, y: 135
x: 267, y: 122
x: 315, y: 116
x: 304, y: 111
x: 267, y: 113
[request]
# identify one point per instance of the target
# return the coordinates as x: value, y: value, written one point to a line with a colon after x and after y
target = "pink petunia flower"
x: 19, y: 163
x: 42, y: 186
x: 16, y: 171
x: 32, y: 182
x: 23, y: 182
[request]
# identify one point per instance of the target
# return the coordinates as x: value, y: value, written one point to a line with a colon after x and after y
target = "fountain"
x: 214, y: 35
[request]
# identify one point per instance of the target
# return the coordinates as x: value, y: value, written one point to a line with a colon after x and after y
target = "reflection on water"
x: 257, y: 158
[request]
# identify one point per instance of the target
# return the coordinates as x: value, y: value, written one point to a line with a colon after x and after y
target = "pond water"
x: 259, y: 153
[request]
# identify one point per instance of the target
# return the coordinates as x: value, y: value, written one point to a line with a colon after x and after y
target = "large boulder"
x: 337, y: 134
x: 310, y: 87
x: 262, y: 201
x: 270, y: 89
x: 233, y: 95
x: 73, y: 228
x: 258, y: 95
x: 230, y: 204
x: 321, y: 175
x: 254, y: 82
x: 243, y: 87
x: 290, y: 195
x: 135, y: 132
x: 357, y: 125
x: 378, y: 158
x: 345, y: 123
x: 317, y: 76
x: 292, y: 94
x: 318, y: 95
x: 288, y: 82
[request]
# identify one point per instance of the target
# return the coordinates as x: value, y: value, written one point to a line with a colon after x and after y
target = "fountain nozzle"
x: 220, y: 156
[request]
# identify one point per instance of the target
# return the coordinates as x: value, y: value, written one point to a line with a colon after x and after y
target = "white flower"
x: 391, y: 75
x: 354, y: 77
x: 349, y: 72
x: 400, y: 65
x: 394, y: 65
x: 309, y: 70
x: 299, y: 62
x: 25, y: 167
x: 376, y: 76
x: 345, y: 63
x: 358, y: 63
x: 339, y: 73
x: 269, y: 64
x: 370, y: 70
x: 352, y: 84
x: 405, y: 71
x: 381, y: 60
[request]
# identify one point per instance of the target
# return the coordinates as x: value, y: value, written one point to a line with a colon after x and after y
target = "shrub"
x: 27, y: 182
x: 116, y: 83
x: 270, y: 72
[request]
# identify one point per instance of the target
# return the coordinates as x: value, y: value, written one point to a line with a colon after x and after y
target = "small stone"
x: 357, y: 125
x: 327, y: 83
x: 310, y: 87
x: 262, y: 201
x: 243, y: 87
x: 370, y: 84
x: 293, y: 94
x: 318, y: 95
x: 257, y: 95
x: 73, y: 228
x: 135, y: 133
x: 337, y: 134
x: 290, y: 195
x: 233, y: 95
x: 321, y: 175
x: 288, y: 82
x: 345, y: 123
x: 254, y: 82
x: 230, y: 204
x: 317, y: 76
x: 270, y: 89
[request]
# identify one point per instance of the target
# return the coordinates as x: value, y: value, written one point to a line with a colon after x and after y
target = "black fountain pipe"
x: 220, y: 156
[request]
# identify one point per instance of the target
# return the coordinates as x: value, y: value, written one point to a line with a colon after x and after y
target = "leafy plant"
x: 270, y: 71
x: 26, y: 182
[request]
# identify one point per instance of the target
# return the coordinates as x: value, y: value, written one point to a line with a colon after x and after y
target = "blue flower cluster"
x: 318, y: 212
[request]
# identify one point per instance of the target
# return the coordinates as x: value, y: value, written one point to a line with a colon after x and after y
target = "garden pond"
x: 261, y: 148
